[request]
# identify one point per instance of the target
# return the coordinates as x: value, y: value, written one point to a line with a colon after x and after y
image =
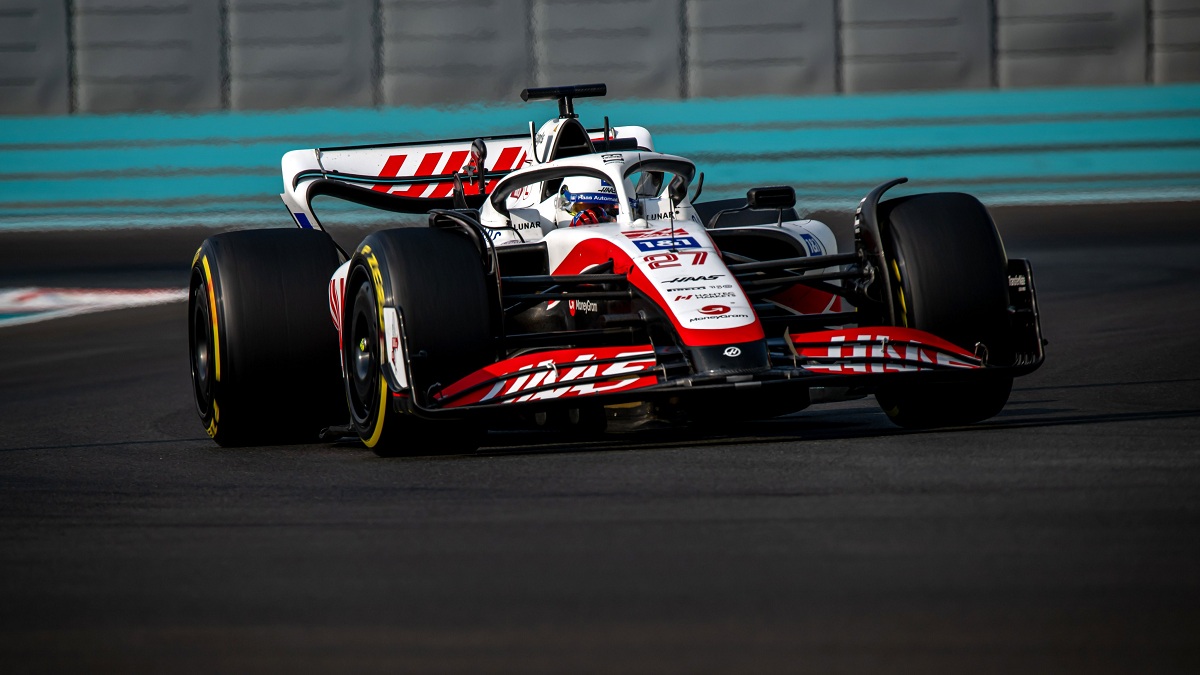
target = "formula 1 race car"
x: 566, y: 279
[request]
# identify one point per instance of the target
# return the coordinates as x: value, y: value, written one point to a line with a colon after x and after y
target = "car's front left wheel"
x: 433, y: 282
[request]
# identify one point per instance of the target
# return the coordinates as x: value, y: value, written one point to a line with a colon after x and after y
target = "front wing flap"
x: 554, y: 374
x: 846, y: 357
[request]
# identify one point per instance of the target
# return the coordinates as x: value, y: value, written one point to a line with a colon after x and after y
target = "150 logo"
x: 812, y: 244
x: 660, y: 244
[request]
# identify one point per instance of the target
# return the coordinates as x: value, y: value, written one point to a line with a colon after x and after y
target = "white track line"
x: 41, y: 304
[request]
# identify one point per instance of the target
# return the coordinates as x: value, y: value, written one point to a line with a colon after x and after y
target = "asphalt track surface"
x: 1063, y: 536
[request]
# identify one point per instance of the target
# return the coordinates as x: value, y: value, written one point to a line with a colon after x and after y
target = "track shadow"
x: 859, y: 425
x: 1102, y: 385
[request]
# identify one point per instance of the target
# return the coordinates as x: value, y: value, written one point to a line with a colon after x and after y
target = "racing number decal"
x: 661, y: 260
x: 381, y: 411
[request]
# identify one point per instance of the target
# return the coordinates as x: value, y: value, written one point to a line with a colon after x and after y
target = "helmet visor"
x: 578, y: 201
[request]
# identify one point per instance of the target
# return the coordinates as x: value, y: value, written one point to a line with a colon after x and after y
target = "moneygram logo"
x: 711, y: 310
x: 583, y: 306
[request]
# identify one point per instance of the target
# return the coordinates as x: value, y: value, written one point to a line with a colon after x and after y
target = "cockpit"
x: 628, y: 188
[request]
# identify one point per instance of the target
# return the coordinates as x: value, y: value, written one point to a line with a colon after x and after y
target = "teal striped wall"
x: 1007, y: 147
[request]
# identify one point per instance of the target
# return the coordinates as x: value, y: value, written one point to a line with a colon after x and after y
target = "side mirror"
x: 478, y: 155
x: 677, y: 190
x: 775, y: 197
x: 460, y: 199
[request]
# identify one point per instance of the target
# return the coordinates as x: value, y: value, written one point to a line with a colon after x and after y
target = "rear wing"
x: 417, y: 177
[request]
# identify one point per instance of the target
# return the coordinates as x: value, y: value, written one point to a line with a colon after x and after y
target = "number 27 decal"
x: 661, y: 260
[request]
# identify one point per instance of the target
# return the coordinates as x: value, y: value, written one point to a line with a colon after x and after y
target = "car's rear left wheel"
x: 262, y: 346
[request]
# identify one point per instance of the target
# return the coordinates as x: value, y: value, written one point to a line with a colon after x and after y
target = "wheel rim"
x: 362, y: 356
x: 201, y: 351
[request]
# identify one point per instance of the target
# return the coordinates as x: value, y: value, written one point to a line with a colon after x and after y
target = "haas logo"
x: 711, y: 310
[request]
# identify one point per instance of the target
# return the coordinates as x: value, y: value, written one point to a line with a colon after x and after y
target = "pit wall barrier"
x: 1008, y: 147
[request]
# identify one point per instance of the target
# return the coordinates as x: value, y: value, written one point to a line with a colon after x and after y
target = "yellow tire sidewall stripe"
x: 900, y: 294
x: 212, y: 426
x: 212, y: 310
x: 381, y: 411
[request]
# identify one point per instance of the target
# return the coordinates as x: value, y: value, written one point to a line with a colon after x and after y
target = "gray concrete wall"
x: 756, y: 47
x: 300, y: 53
x: 912, y: 45
x: 142, y: 55
x: 631, y: 45
x: 1175, y: 31
x: 1070, y: 42
x: 454, y: 51
x: 34, y: 77
x: 101, y: 56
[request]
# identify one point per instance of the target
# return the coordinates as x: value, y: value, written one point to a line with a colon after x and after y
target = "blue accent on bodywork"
x: 666, y: 244
x: 812, y: 244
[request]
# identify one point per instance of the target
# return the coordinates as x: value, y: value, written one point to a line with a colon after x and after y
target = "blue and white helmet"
x: 580, y: 194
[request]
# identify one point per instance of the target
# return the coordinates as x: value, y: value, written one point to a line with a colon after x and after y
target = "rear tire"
x: 949, y: 277
x: 263, y: 348
x: 434, y: 278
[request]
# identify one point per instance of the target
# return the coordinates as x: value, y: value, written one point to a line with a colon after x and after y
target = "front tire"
x: 433, y: 278
x: 263, y: 348
x: 949, y: 277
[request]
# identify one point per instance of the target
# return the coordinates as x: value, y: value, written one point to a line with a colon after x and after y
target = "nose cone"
x: 745, y: 357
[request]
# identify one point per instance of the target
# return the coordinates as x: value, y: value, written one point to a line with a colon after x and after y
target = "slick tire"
x: 949, y: 277
x: 433, y: 278
x: 263, y: 347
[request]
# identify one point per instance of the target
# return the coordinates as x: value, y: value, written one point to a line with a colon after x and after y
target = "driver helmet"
x: 588, y: 200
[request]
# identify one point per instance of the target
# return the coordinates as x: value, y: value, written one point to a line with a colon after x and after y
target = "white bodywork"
x: 661, y: 241
x: 438, y: 160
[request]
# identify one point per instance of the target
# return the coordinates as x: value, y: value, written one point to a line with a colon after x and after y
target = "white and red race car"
x: 567, y: 279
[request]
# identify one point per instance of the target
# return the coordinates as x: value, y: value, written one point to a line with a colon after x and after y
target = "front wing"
x: 846, y: 357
